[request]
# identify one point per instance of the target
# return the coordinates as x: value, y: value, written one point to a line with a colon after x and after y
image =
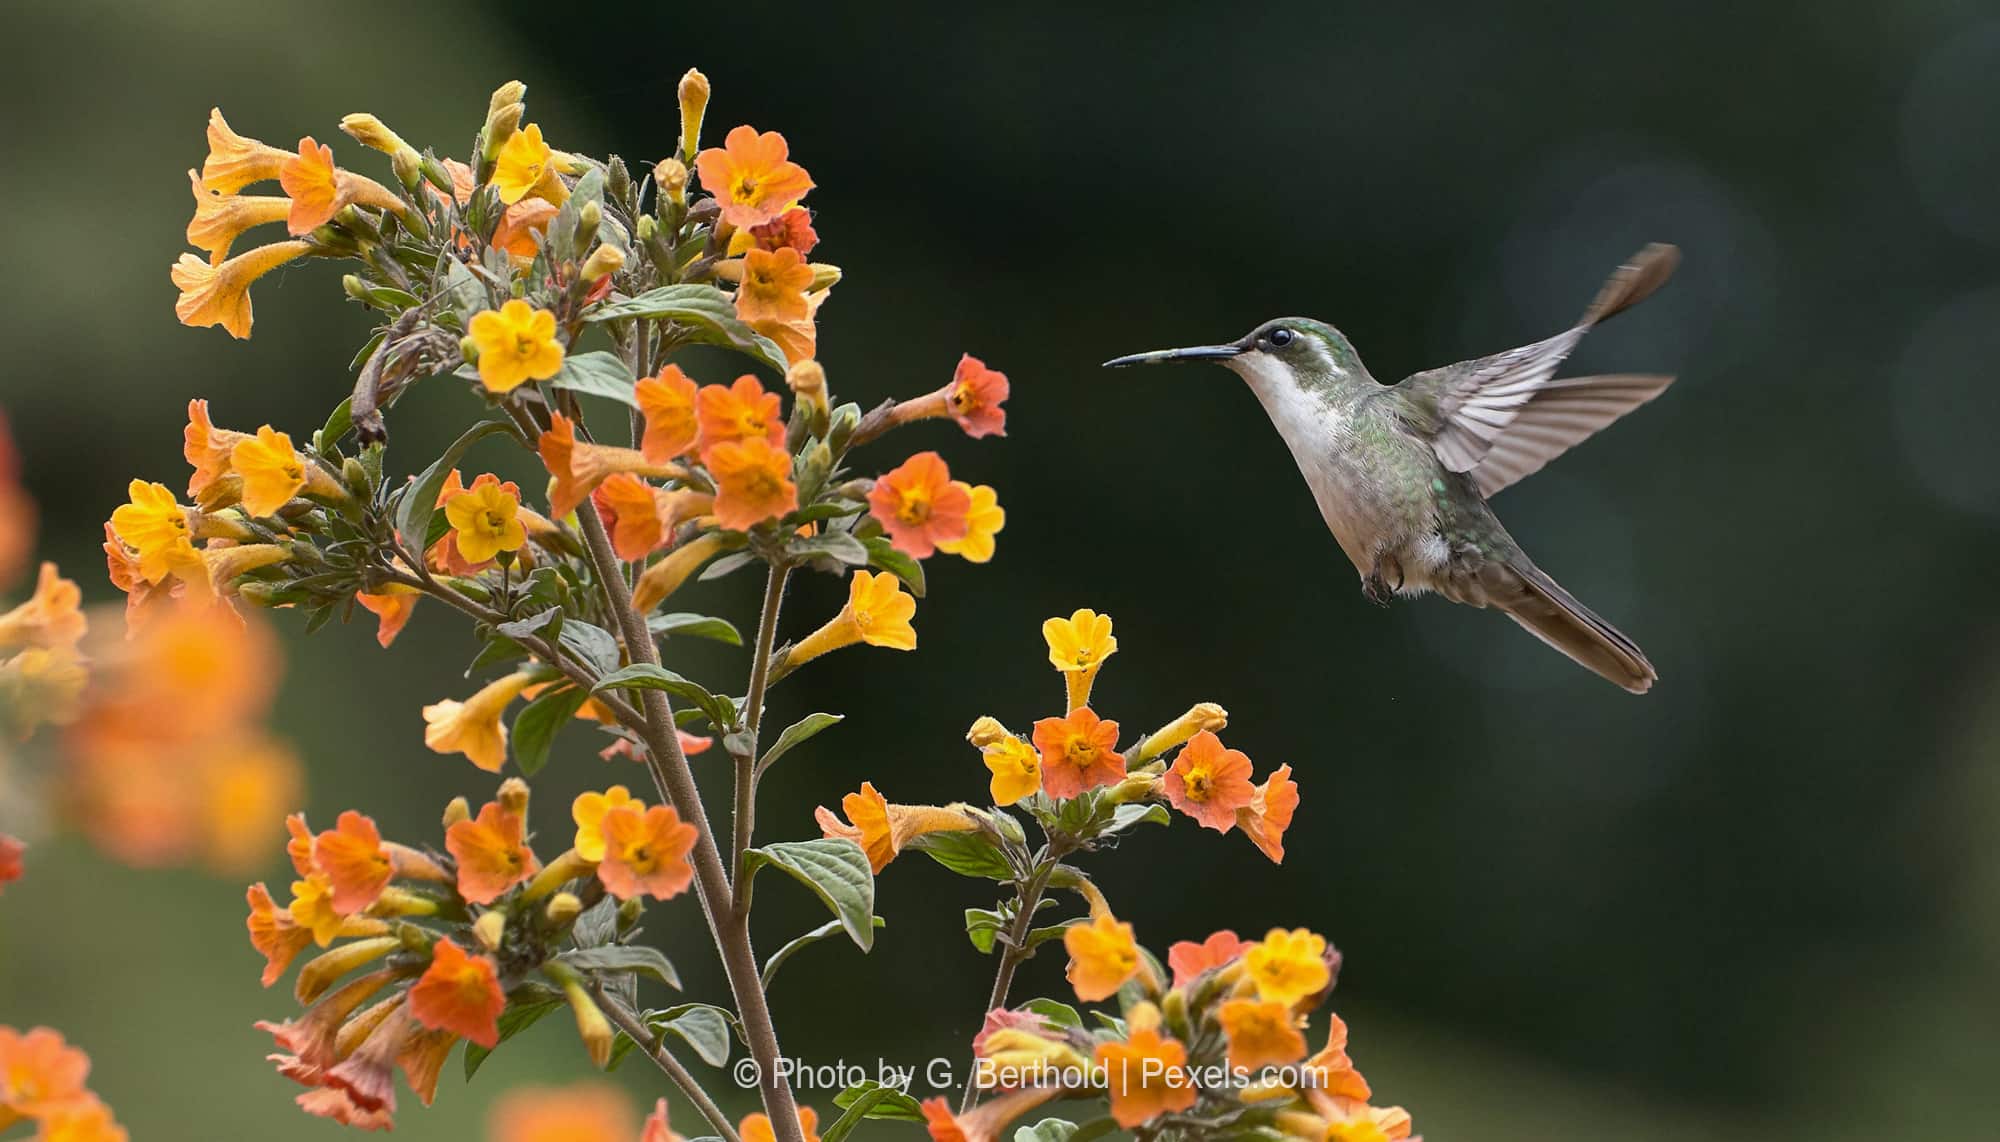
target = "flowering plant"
x: 557, y: 291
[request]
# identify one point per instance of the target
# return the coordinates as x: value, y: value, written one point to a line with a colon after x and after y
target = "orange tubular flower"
x: 758, y: 1128
x: 492, y: 853
x: 10, y: 859
x: 356, y: 865
x: 1349, y: 1120
x: 86, y: 1119
x: 667, y: 401
x: 974, y: 397
x: 52, y: 616
x: 517, y: 343
x: 472, y: 727
x: 274, y: 933
x: 460, y: 994
x: 1189, y: 959
x: 988, y: 1121
x: 589, y: 811
x: 645, y: 853
x: 882, y: 829
x: 392, y: 607
x: 752, y: 177
x: 666, y: 575
x: 983, y: 521
x: 579, y: 468
x: 1079, y: 753
x: 753, y: 482
x: 1288, y: 967
x: 1210, y: 783
x: 920, y: 506
x: 1102, y: 956
x: 319, y: 190
x: 521, y: 226
x: 1146, y: 1075
x: 1330, y: 1074
x: 1269, y: 813
x: 580, y: 1112
x: 635, y: 513
x: 877, y: 612
x: 235, y: 161
x: 207, y: 447
x: 1261, y: 1034
x: 774, y: 287
x: 39, y: 1073
x: 738, y: 412
x: 220, y: 294
x: 219, y: 219
x: 485, y: 521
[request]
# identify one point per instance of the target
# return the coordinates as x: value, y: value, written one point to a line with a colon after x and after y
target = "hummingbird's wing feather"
x: 1560, y: 415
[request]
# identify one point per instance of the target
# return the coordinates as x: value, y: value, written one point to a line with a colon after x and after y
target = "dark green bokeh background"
x: 1758, y: 903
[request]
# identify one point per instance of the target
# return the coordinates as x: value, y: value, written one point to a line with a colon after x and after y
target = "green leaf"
x: 983, y: 927
x: 535, y: 727
x: 1055, y: 1011
x: 1040, y: 936
x: 532, y: 625
x: 647, y: 676
x: 413, y: 513
x: 796, y: 733
x: 883, y: 556
x: 897, y: 1107
x: 593, y: 644
x: 967, y: 854
x: 337, y: 425
x: 596, y: 925
x: 779, y: 957
x: 1047, y: 1130
x: 835, y: 545
x: 640, y: 958
x: 598, y: 373
x: 836, y: 870
x: 728, y: 563
x: 696, y: 626
x: 517, y: 1018
x: 1131, y: 816
x: 704, y: 1026
x: 707, y: 313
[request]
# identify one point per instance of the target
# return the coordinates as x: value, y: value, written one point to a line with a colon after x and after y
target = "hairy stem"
x: 1013, y: 952
x: 746, y: 762
x: 655, y: 1048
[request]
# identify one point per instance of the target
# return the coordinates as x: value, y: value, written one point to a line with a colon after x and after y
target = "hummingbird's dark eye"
x: 1280, y: 337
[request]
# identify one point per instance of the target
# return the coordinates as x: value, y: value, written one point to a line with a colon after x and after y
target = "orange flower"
x: 752, y: 177
x: 882, y: 829
x: 1079, y: 753
x: 645, y: 852
x: 656, y: 1128
x: 219, y: 219
x: 392, y: 606
x: 356, y: 865
x: 987, y: 1121
x: 235, y: 161
x: 758, y: 1128
x: 472, y: 727
x: 774, y: 287
x: 737, y: 412
x: 207, y: 447
x: 1269, y: 813
x: 272, y: 470
x: 220, y: 294
x: 796, y: 337
x: 1102, y: 956
x: 39, y: 1073
x: 793, y: 229
x: 579, y: 468
x: 1146, y: 1075
x: 1330, y: 1074
x: 580, y: 1112
x: 460, y: 994
x: 983, y: 520
x: 10, y: 859
x: 521, y: 226
x: 920, y: 506
x: 1189, y: 959
x: 83, y: 1120
x: 1350, y: 1120
x: 274, y: 933
x: 753, y: 482
x: 634, y: 512
x: 50, y: 618
x: 667, y: 401
x: 666, y: 575
x: 313, y: 184
x: 974, y: 397
x: 1209, y: 783
x: 492, y: 853
x: 1261, y: 1034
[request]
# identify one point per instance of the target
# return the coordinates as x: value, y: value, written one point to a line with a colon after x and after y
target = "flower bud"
x: 671, y: 176
x: 512, y: 91
x: 564, y: 907
x: 808, y: 383
x: 439, y: 178
x: 490, y: 929
x: 617, y: 179
x: 371, y: 132
x: 824, y: 277
x: 458, y: 810
x: 606, y: 259
x: 258, y: 593
x: 513, y: 796
x: 409, y: 168
x: 558, y: 872
x: 986, y: 731
x: 591, y: 1025
x: 500, y: 126
x: 1201, y: 716
x: 694, y: 105
x: 468, y: 349
x: 354, y: 474
x: 323, y: 970
x: 648, y: 226
x: 629, y: 912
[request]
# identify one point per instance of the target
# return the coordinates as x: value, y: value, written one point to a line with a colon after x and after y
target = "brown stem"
x: 730, y: 929
x: 1013, y: 953
x: 746, y: 762
x: 655, y: 1048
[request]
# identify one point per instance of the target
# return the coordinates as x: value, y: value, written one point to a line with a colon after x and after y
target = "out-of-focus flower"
x: 667, y: 401
x: 83, y: 1120
x: 877, y: 612
x: 752, y: 176
x: 1209, y: 782
x: 1189, y: 959
x: 1261, y: 1033
x: 579, y: 1112
x: 882, y: 829
x: 1079, y: 753
x: 1102, y: 956
x: 1016, y: 768
x: 774, y: 286
x: 52, y: 616
x: 1146, y: 1074
x: 645, y: 852
x: 1330, y: 1073
x: 11, y: 849
x: 1288, y: 967
x: 1349, y: 1120
x: 485, y: 521
x: 472, y: 727
x: 1269, y: 813
x: 459, y: 993
x: 737, y: 412
x: 1078, y: 646
x: 656, y: 1128
x: 983, y: 521
x: 986, y: 1122
x: 517, y: 343
x: 39, y: 1072
x: 753, y: 482
x: 17, y: 510
x: 757, y: 1127
x: 220, y: 294
x: 920, y: 506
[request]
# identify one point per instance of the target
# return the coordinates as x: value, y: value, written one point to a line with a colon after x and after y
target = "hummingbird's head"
x: 1294, y: 351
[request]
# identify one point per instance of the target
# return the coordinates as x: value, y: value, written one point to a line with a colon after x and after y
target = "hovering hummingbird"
x: 1402, y: 472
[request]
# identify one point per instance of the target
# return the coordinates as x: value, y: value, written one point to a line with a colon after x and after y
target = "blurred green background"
x: 1763, y: 902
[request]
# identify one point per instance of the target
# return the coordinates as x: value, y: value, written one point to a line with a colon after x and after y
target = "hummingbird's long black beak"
x: 1195, y: 353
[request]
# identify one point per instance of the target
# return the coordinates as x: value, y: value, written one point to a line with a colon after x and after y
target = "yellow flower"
x: 1017, y: 769
x: 693, y: 94
x: 1078, y: 646
x: 1200, y: 716
x: 312, y: 907
x: 155, y: 526
x: 666, y: 575
x: 1288, y: 966
x: 1261, y: 1034
x: 272, y: 471
x: 220, y: 294
x: 983, y: 521
x: 1102, y: 956
x: 485, y: 521
x: 517, y: 343
x: 589, y: 811
x: 219, y: 219
x: 878, y: 613
x: 524, y: 167
x: 472, y: 727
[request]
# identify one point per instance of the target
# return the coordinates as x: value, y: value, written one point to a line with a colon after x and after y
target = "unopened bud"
x: 591, y: 1025
x: 563, y: 908
x: 512, y: 91
x: 986, y: 731
x: 648, y: 226
x: 354, y: 474
x: 824, y: 276
x: 808, y: 382
x: 1174, y: 1010
x: 355, y: 287
x: 1201, y: 716
x: 409, y: 168
x: 694, y: 105
x: 500, y: 126
x: 1135, y: 787
x: 513, y: 796
x: 436, y: 174
x: 468, y: 349
x: 629, y: 912
x: 490, y: 929
x: 458, y: 810
x: 671, y: 176
x: 606, y: 259
x: 588, y: 220
x: 323, y: 970
x: 257, y: 592
x: 371, y: 132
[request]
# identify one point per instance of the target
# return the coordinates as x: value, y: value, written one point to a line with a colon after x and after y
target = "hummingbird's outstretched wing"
x: 1474, y: 409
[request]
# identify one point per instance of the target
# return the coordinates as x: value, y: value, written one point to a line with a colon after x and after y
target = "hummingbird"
x: 1403, y: 473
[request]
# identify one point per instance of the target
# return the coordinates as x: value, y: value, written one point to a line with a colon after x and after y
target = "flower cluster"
x: 42, y: 1080
x: 459, y: 943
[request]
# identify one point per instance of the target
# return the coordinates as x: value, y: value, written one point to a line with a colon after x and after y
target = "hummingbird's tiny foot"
x: 1376, y: 589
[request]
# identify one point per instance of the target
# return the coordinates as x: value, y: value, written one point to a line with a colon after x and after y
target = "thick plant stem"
x: 1012, y: 955
x: 655, y: 1049
x: 753, y: 713
x: 670, y: 769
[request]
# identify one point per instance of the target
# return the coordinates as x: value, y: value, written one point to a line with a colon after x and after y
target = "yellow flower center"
x: 744, y: 191
x: 525, y: 344
x: 1199, y: 783
x: 914, y: 508
x: 963, y: 399
x: 1081, y: 751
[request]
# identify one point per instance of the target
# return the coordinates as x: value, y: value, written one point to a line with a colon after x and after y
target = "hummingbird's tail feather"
x: 1634, y: 282
x: 1553, y: 615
